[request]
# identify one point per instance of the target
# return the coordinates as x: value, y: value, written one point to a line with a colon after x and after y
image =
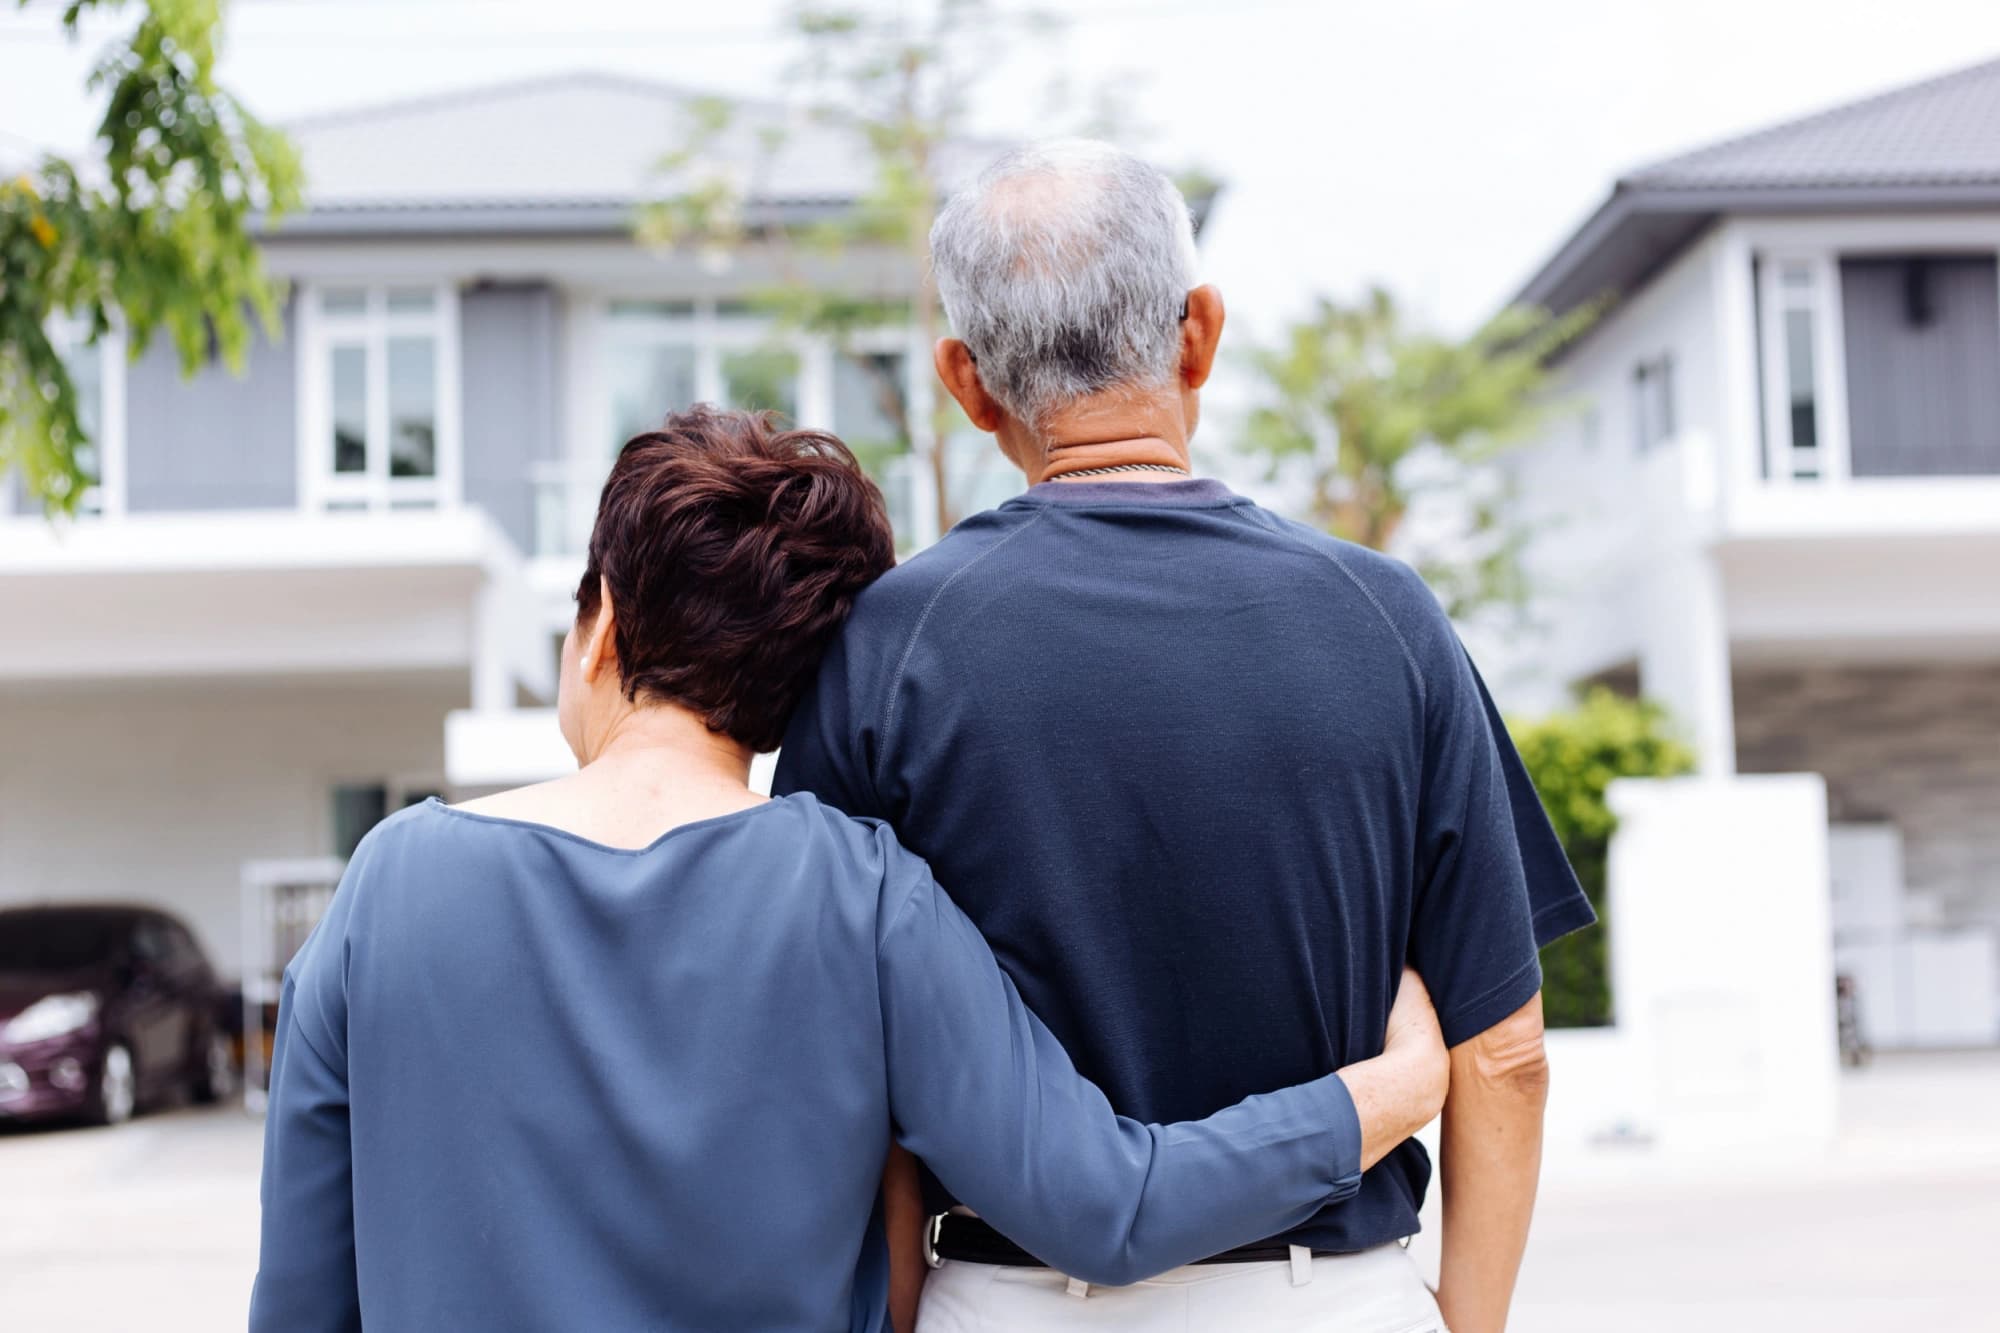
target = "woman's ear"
x: 599, y: 648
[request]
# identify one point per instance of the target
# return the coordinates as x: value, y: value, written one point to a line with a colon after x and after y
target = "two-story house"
x: 248, y: 646
x: 1772, y: 501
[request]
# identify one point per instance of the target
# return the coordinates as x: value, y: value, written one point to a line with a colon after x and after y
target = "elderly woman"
x: 624, y: 1050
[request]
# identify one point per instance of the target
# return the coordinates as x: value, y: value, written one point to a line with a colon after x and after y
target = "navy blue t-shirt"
x: 1205, y: 779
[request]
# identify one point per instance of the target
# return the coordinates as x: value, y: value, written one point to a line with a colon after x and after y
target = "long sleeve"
x: 986, y: 1096
x: 305, y: 1270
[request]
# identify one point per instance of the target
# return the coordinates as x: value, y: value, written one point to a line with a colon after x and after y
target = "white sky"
x: 1441, y: 147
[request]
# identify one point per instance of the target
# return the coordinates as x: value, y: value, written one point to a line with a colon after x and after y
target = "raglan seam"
x: 916, y: 631
x: 293, y: 1019
x: 1409, y: 654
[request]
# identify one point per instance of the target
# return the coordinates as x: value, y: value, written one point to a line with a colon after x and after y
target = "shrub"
x: 1573, y: 757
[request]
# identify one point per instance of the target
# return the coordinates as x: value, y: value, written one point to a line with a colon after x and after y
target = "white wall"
x: 160, y: 793
x: 1722, y: 975
x: 1603, y: 512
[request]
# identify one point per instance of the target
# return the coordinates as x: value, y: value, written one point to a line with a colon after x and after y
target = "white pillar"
x: 1684, y: 655
x: 921, y: 389
x: 1733, y: 1029
x: 492, y: 679
x: 1738, y: 433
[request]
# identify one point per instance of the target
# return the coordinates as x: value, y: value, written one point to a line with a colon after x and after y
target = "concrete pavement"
x: 153, y: 1226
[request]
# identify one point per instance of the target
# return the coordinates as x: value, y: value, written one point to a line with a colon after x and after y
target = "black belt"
x: 970, y: 1240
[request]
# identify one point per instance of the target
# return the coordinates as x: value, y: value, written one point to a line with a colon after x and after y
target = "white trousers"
x: 1376, y: 1291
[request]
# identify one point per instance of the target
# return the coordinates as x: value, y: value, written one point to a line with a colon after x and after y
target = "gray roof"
x: 1942, y: 131
x: 569, y: 153
x: 1930, y: 145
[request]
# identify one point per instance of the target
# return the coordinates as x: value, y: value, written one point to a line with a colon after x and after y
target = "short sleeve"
x: 830, y: 742
x: 1493, y: 883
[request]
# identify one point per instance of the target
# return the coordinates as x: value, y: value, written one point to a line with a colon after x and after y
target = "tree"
x: 154, y: 231
x: 1379, y: 415
x: 900, y: 78
x: 1573, y: 758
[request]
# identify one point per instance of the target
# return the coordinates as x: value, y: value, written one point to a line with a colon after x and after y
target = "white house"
x: 247, y: 649
x: 1774, y: 504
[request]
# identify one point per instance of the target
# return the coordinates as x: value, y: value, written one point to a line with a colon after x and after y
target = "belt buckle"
x: 932, y: 1233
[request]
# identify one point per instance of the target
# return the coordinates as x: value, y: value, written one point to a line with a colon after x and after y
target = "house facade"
x: 1771, y: 500
x: 290, y: 587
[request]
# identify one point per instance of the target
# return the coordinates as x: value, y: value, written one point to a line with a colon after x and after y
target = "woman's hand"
x: 1401, y: 1090
x: 1414, y: 1033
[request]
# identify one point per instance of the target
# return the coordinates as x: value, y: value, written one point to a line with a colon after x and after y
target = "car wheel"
x: 117, y: 1087
x: 215, y: 1080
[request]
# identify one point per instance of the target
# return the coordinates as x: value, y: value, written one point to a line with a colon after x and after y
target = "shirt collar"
x: 1194, y: 493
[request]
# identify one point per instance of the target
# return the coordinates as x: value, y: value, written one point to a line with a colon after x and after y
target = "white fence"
x: 1721, y: 975
x: 282, y: 902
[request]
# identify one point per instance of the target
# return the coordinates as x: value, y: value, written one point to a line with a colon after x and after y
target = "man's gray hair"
x: 1065, y: 267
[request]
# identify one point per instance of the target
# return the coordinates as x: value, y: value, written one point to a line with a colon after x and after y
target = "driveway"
x: 153, y: 1226
x: 149, y: 1226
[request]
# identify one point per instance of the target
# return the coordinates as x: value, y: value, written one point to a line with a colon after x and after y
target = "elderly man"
x: 1205, y: 778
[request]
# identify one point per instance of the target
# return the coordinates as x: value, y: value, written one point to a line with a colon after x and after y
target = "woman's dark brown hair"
x: 733, y: 550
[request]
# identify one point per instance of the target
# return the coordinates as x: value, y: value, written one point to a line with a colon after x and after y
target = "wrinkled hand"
x: 1414, y: 1036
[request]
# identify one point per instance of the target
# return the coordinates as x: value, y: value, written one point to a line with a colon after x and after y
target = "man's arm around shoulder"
x: 1491, y: 1158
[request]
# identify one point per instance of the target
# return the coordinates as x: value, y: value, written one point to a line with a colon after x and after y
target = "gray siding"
x: 507, y: 349
x: 217, y: 441
x: 1918, y: 747
x: 1923, y: 365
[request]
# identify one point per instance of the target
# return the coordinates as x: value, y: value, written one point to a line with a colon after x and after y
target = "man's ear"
x: 599, y: 650
x: 1201, y: 333
x: 959, y: 374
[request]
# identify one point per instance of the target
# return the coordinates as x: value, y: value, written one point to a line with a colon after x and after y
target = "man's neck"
x: 1120, y: 429
x: 1083, y: 460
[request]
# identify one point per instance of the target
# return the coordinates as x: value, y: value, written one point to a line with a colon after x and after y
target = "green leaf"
x: 161, y: 237
x: 1355, y: 395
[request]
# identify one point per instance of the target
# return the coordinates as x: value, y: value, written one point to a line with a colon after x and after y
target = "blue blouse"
x: 528, y: 1081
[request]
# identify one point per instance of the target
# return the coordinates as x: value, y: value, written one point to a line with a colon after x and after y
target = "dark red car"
x: 105, y: 1010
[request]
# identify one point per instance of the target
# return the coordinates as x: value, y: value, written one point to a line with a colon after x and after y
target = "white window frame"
x: 1654, y: 374
x: 319, y: 332
x: 105, y: 498
x: 1821, y: 298
x: 713, y: 334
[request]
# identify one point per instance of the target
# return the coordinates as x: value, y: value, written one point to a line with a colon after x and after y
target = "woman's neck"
x: 668, y: 740
x: 651, y: 770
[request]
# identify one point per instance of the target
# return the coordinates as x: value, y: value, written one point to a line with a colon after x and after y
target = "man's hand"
x: 1401, y: 1090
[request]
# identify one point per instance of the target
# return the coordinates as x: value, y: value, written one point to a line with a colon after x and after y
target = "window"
x: 1653, y: 402
x: 871, y: 413
x: 762, y: 379
x: 97, y: 374
x: 1921, y: 340
x: 186, y: 955
x: 360, y: 806
x: 648, y: 382
x: 379, y: 411
x: 150, y: 942
x: 356, y: 809
x: 649, y: 365
x: 654, y: 357
x: 1794, y: 352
